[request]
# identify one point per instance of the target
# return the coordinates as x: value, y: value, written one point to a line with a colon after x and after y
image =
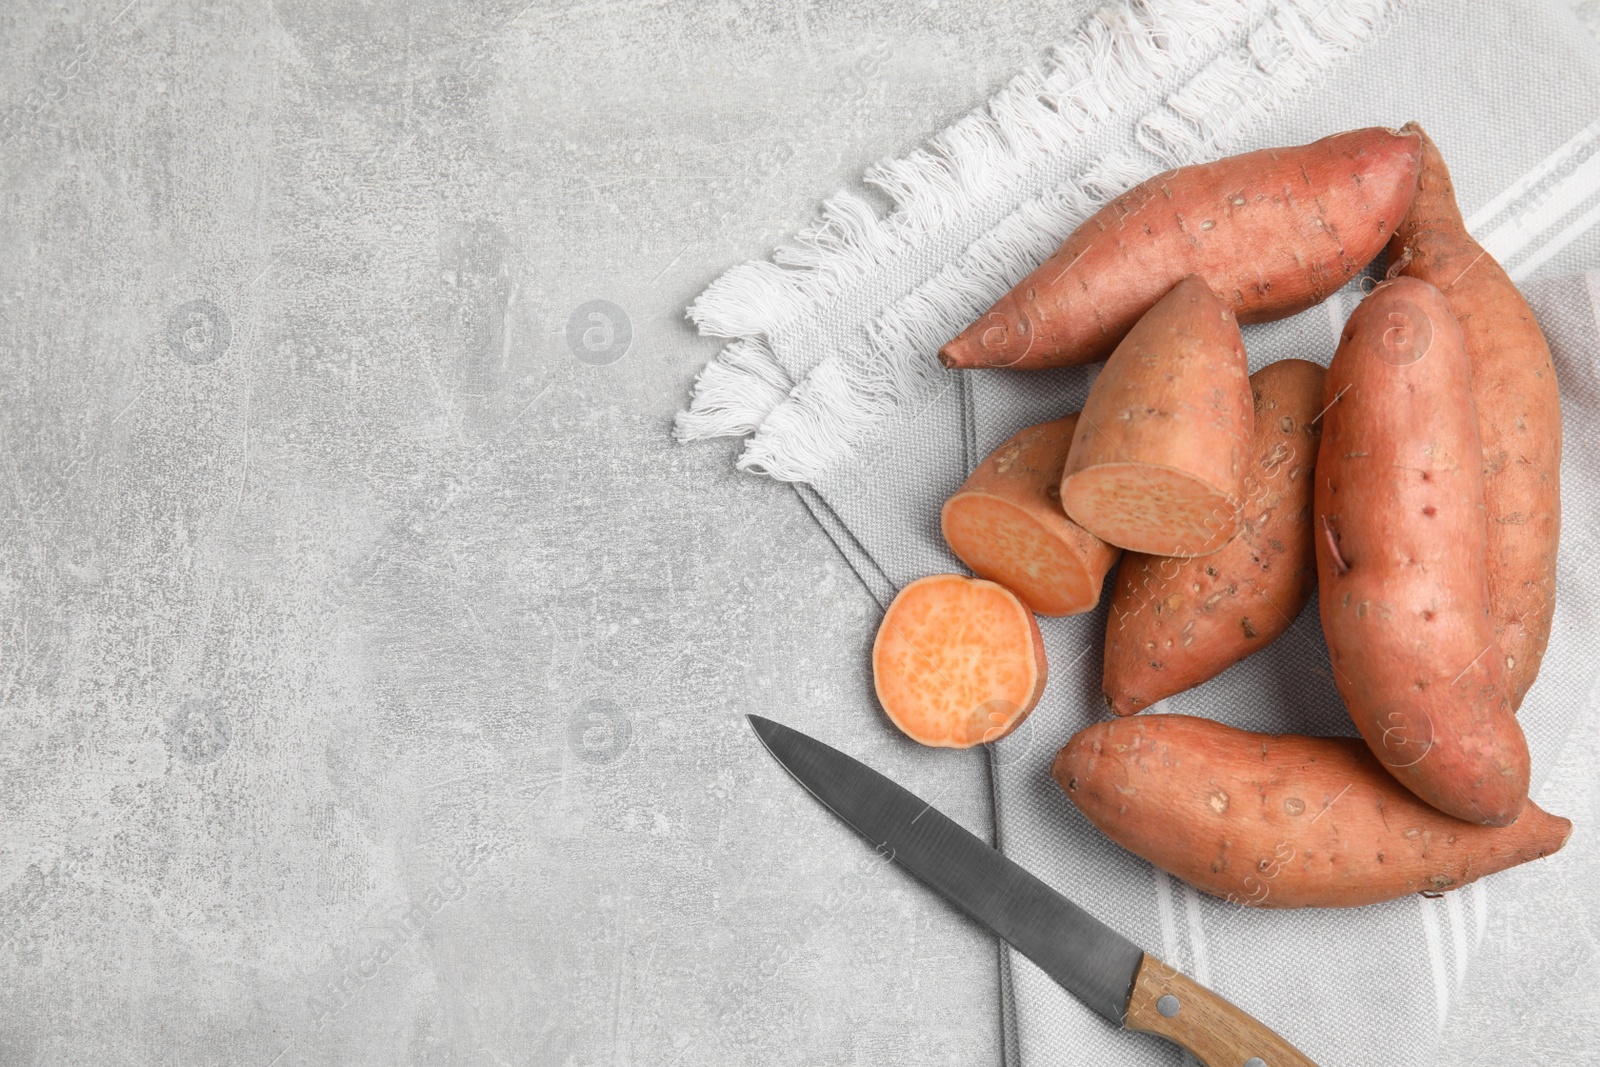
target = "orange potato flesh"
x: 1158, y: 458
x: 1146, y: 508
x: 1280, y: 821
x: 1401, y: 558
x: 1006, y: 523
x: 958, y: 661
x: 1519, y: 413
x: 1274, y: 232
x: 1175, y: 623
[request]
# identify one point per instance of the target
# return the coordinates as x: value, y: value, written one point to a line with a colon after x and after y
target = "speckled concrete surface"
x: 372, y: 666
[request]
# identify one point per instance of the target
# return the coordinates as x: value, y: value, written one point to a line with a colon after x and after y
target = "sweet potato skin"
x: 1175, y: 622
x: 1060, y: 568
x: 1519, y: 413
x: 1401, y: 558
x: 947, y: 598
x: 1170, y: 413
x: 1280, y: 821
x: 1273, y: 231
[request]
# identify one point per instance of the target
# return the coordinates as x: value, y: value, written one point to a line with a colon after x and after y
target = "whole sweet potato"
x: 1006, y: 523
x: 1178, y: 622
x: 1274, y: 232
x: 1158, y: 458
x: 1519, y: 413
x: 1280, y: 821
x: 1401, y: 558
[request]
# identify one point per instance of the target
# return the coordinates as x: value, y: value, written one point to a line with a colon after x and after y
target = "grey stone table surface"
x: 372, y: 666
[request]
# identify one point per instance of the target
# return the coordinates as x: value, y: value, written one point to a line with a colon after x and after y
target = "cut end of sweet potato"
x: 958, y: 661
x: 1147, y: 508
x: 1003, y: 543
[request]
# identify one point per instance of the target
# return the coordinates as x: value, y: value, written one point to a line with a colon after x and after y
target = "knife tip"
x: 765, y: 728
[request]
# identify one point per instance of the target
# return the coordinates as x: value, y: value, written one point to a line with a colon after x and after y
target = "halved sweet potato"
x: 1006, y: 523
x: 958, y: 661
x: 1158, y: 458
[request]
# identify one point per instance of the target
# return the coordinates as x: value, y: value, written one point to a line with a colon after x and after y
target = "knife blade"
x: 1107, y: 972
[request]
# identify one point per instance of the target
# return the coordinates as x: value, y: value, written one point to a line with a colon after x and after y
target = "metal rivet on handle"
x: 1168, y: 1006
x: 1255, y: 1061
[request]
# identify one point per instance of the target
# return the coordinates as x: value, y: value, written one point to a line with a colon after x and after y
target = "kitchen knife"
x: 1109, y: 973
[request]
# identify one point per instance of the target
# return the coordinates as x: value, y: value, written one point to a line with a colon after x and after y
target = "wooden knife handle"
x: 1170, y: 1004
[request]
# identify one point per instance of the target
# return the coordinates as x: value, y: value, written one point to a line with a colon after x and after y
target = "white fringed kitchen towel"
x: 832, y: 370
